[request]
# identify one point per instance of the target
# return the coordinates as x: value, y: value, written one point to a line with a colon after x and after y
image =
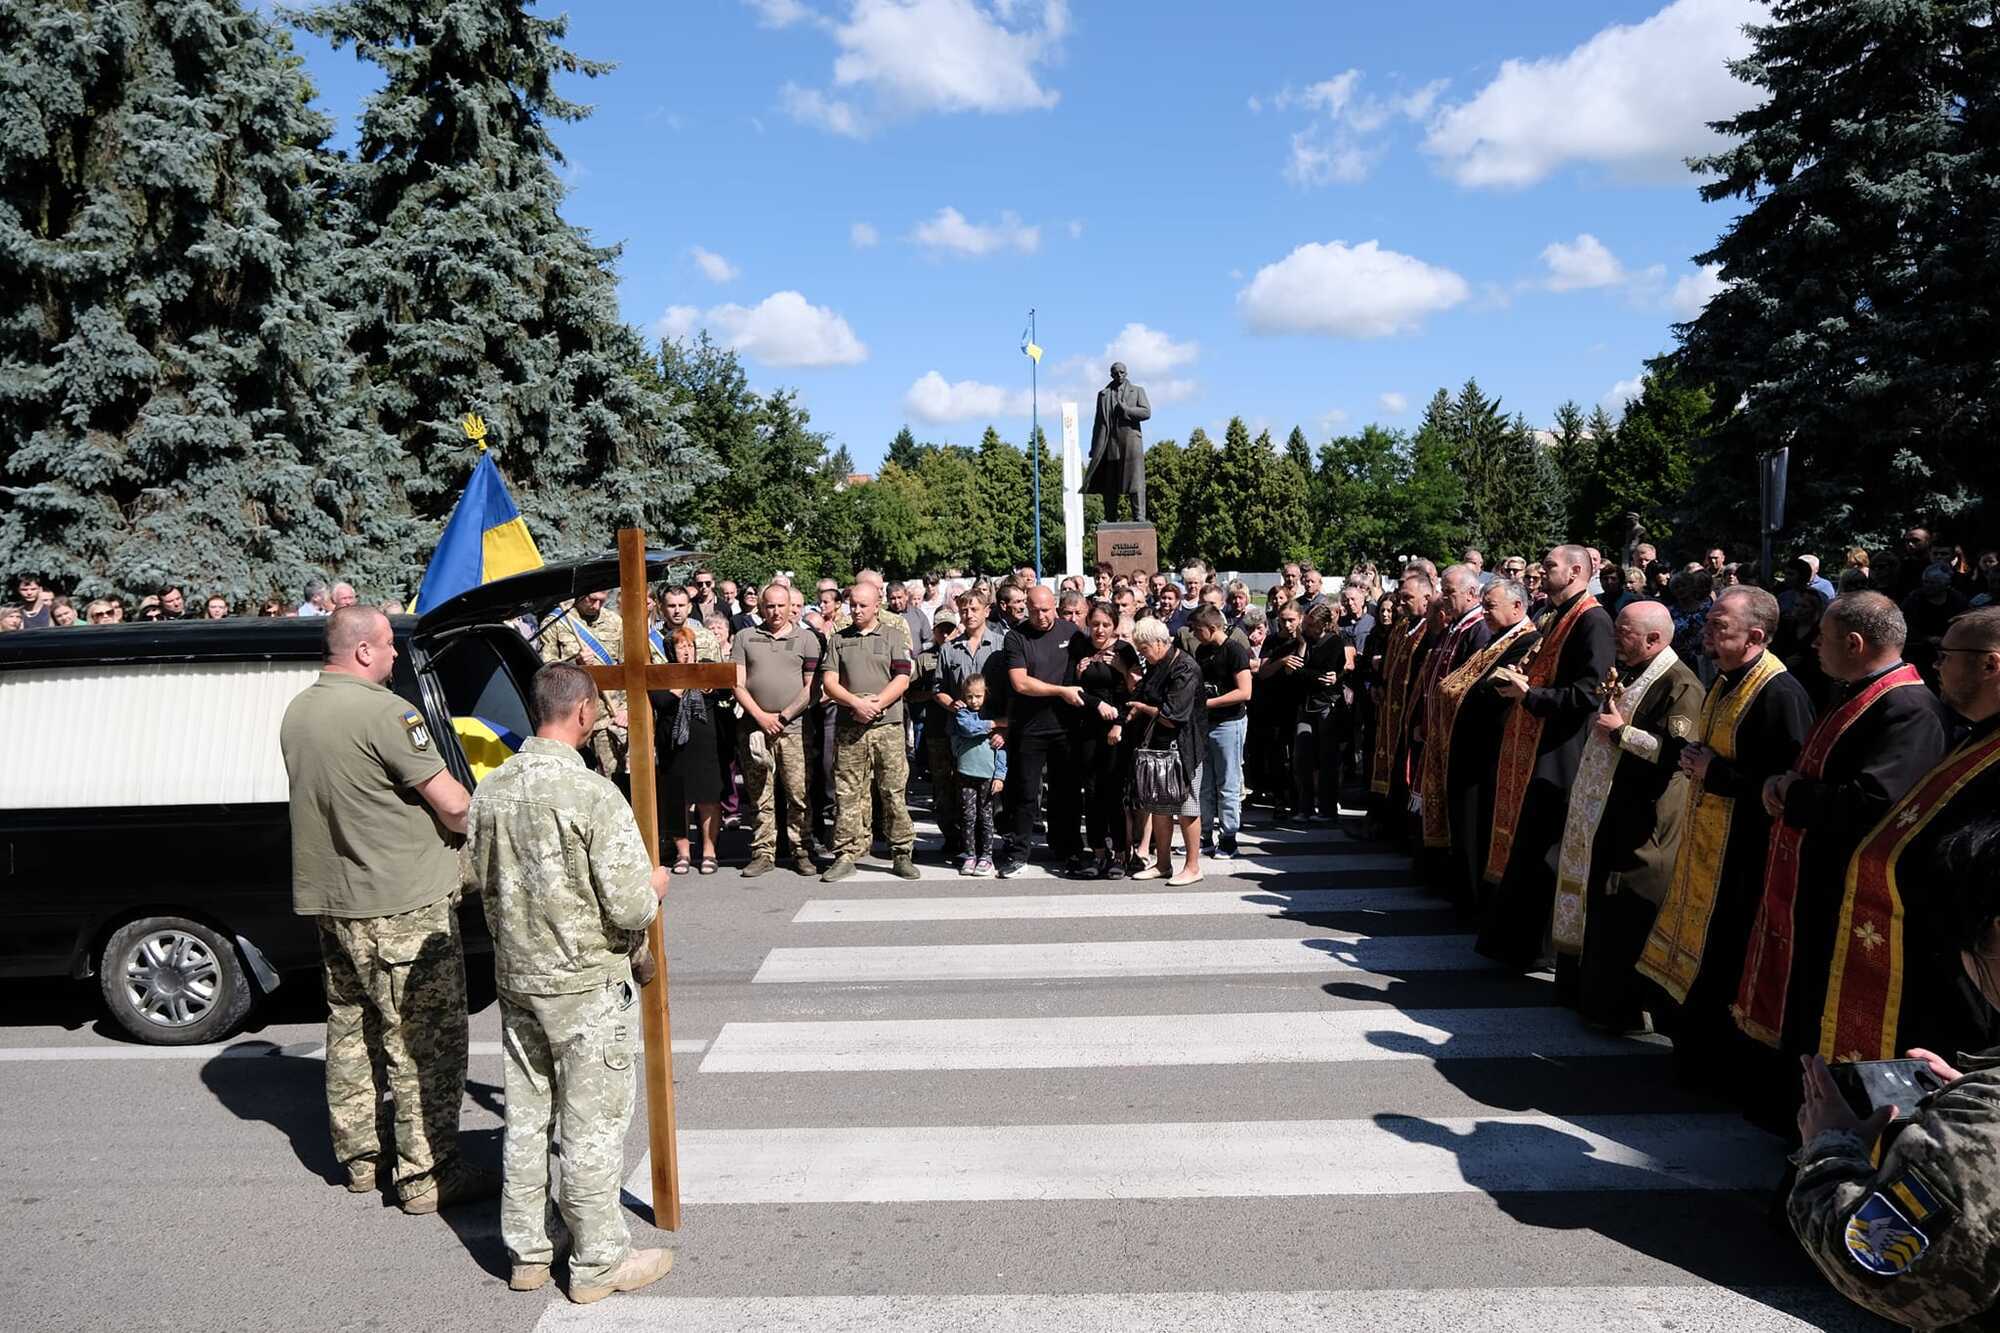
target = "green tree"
x: 1194, y: 530
x: 893, y: 513
x: 1166, y: 492
x: 904, y: 451
x: 1282, y: 509
x: 176, y: 394
x: 1575, y: 455
x: 1355, y: 497
x: 1299, y: 450
x: 1534, y: 513
x: 957, y: 524
x: 1235, y: 480
x: 1001, y: 482
x: 1647, y: 466
x: 469, y: 292
x: 1430, y: 501
x: 1857, y: 323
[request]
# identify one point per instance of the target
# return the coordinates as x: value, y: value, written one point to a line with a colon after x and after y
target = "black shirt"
x: 1219, y: 664
x: 1328, y: 655
x: 1106, y: 682
x: 1048, y: 656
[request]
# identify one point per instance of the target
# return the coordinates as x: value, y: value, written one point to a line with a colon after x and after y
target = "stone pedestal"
x: 1129, y: 548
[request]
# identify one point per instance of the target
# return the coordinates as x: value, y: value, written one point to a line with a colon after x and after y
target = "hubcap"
x: 171, y: 978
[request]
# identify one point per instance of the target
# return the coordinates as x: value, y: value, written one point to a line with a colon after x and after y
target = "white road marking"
x: 1388, y: 1154
x: 1170, y: 902
x: 1330, y: 951
x: 1429, y: 1310
x: 242, y: 1050
x: 1248, y: 865
x: 1130, y: 1041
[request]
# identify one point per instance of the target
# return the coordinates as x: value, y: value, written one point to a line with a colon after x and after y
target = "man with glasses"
x: 702, y: 598
x: 775, y: 666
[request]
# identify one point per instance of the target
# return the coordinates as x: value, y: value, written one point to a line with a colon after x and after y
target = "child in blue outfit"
x: 982, y: 771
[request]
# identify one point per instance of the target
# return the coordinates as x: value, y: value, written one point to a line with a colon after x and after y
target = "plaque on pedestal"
x: 1129, y: 548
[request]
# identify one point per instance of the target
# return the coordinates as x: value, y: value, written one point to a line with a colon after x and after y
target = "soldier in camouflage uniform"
x: 372, y: 813
x: 674, y: 607
x: 590, y: 633
x: 865, y: 673
x: 567, y: 884
x: 1917, y: 1239
x: 776, y: 664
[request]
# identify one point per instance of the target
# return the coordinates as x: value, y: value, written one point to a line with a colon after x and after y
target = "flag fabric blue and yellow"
x: 485, y: 539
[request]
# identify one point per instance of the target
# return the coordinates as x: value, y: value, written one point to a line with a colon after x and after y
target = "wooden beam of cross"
x: 636, y: 675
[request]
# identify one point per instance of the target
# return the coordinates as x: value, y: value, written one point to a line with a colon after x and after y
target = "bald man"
x: 1624, y: 824
x: 373, y: 810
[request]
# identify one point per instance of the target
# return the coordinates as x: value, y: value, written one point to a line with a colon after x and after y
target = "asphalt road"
x: 1291, y: 1097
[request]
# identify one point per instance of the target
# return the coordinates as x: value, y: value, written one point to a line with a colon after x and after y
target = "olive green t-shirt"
x: 865, y: 663
x: 363, y: 842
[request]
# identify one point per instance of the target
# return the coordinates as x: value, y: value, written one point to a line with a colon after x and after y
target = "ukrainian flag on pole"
x: 485, y: 539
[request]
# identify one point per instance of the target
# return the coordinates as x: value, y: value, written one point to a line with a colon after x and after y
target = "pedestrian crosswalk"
x: 1293, y: 1097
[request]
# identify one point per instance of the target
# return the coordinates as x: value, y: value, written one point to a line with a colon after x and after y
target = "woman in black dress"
x: 684, y: 727
x: 1106, y: 677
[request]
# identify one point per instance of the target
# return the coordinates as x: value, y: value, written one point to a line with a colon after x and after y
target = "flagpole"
x: 1035, y: 433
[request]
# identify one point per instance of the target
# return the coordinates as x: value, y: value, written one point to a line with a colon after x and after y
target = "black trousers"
x: 1104, y: 780
x: 1028, y: 758
x: 975, y: 815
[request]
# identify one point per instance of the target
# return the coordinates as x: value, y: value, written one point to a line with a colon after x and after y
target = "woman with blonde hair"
x: 1167, y: 714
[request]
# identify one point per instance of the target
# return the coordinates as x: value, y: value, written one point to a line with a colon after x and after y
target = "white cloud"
x: 1151, y: 358
x: 1621, y: 393
x: 810, y: 106
x: 713, y: 266
x: 935, y: 401
x: 1395, y: 404
x: 1693, y: 290
x: 779, y: 13
x: 1344, y: 139
x: 1583, y: 262
x: 1076, y: 229
x: 784, y: 329
x: 863, y: 236
x: 1635, y: 98
x: 1333, y: 419
x: 950, y: 232
x: 916, y: 56
x: 1344, y: 291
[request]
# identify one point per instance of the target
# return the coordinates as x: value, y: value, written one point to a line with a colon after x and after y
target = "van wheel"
x: 173, y: 982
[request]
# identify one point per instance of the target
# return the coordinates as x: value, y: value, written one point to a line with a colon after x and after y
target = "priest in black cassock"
x: 1753, y: 722
x: 1882, y: 730
x: 1624, y: 826
x: 1465, y: 724
x: 1898, y: 982
x: 1540, y: 748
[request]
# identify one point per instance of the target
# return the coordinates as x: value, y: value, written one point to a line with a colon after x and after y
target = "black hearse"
x: 143, y: 830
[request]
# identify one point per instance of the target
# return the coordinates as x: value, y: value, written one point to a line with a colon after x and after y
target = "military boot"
x: 458, y: 1183
x: 762, y: 865
x: 642, y: 1268
x: 840, y: 869
x: 528, y: 1277
x: 905, y: 866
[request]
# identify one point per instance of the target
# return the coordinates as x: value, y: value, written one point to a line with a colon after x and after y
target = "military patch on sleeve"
x: 1883, y: 1236
x: 413, y: 723
x: 1681, y: 727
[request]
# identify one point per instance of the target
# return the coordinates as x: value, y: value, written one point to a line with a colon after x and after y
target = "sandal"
x: 708, y: 865
x: 681, y: 867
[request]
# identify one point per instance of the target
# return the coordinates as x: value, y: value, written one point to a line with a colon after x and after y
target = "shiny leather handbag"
x: 1158, y: 778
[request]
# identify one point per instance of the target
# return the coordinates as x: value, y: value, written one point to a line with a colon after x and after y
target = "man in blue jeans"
x: 1225, y: 678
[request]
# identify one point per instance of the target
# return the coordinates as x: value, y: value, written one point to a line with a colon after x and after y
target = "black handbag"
x: 1158, y: 778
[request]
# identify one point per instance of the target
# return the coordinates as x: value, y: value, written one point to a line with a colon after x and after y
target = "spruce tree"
x: 1166, y: 489
x: 168, y: 374
x: 1647, y: 467
x: 1234, y: 483
x: 1860, y: 313
x: 1194, y: 535
x: 904, y: 451
x: 1575, y: 455
x: 471, y: 293
x: 1001, y: 473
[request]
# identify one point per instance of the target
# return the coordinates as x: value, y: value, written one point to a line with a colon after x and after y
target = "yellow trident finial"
x: 475, y: 429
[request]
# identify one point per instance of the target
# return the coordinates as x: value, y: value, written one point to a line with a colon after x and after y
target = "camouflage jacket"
x: 563, y: 641
x: 553, y: 850
x: 1916, y: 1240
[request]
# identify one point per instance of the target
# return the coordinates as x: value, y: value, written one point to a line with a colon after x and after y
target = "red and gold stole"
x: 1522, y: 738
x: 1443, y: 719
x: 1397, y: 659
x: 1864, y: 997
x: 1672, y: 956
x: 1767, y: 968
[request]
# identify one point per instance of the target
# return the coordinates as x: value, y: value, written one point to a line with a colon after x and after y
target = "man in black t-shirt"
x: 1040, y: 656
x: 1225, y: 679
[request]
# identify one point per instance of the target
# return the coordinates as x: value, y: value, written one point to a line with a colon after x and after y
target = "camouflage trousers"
x: 395, y: 1023
x: 766, y: 764
x: 570, y: 1090
x: 870, y: 763
x: 607, y: 747
x: 944, y: 785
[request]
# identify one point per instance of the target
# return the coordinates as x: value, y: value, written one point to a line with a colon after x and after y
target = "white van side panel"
x: 157, y: 734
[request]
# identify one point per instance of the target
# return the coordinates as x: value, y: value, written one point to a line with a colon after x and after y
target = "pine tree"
x: 1228, y: 523
x: 1480, y: 435
x: 1001, y: 474
x: 470, y: 291
x: 1299, y: 451
x: 168, y: 374
x: 1859, y: 318
x: 1284, y: 509
x: 1575, y: 456
x: 1647, y: 468
x: 904, y: 451
x: 1194, y: 538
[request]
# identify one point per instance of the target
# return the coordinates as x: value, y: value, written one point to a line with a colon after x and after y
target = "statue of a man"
x: 1117, y: 455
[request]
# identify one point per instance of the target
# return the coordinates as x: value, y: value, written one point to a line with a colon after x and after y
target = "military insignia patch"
x: 413, y: 723
x: 1883, y: 1236
x: 1681, y: 727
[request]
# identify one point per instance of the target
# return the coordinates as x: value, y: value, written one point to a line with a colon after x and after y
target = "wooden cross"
x: 636, y: 675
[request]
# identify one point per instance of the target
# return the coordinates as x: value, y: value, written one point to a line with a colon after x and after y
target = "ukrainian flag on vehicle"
x: 485, y: 539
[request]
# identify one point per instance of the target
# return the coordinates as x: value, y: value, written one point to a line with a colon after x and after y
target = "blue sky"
x: 1310, y: 214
